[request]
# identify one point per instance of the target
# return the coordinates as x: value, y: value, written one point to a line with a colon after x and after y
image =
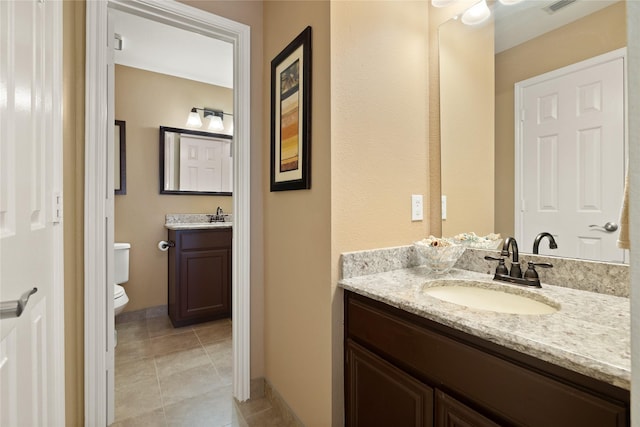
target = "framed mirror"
x: 120, y: 158
x: 481, y: 134
x: 195, y: 162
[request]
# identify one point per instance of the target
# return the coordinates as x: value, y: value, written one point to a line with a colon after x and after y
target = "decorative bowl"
x: 439, y: 259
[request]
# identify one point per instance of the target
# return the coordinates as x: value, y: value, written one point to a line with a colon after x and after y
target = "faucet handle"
x: 531, y: 273
x: 501, y: 269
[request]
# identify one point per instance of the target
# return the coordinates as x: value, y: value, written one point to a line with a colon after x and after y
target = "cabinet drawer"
x: 505, y: 389
x: 203, y: 239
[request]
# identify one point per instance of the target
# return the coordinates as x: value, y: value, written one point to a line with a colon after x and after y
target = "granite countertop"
x: 198, y: 225
x: 590, y: 334
x: 195, y: 222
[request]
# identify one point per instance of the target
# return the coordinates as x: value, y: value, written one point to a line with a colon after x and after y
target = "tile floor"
x: 169, y: 376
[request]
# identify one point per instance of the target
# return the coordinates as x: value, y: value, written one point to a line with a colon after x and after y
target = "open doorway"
x: 100, y: 232
x: 173, y: 327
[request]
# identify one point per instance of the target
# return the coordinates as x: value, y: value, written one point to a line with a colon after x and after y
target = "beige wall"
x: 73, y: 187
x: 379, y: 138
x: 146, y: 101
x: 298, y: 233
x: 467, y: 127
x: 590, y: 36
x: 369, y: 155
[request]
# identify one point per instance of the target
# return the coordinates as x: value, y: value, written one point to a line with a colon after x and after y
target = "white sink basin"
x: 481, y: 296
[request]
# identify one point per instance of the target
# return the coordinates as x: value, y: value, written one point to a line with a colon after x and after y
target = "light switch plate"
x: 417, y: 211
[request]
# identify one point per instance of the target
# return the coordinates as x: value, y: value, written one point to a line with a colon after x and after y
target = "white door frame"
x: 98, y: 215
x: 519, y: 88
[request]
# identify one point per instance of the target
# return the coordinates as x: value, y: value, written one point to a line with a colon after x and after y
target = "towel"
x: 623, y: 237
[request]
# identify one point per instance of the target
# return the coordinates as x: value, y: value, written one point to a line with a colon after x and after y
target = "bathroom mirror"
x: 120, y: 157
x: 195, y: 162
x: 478, y: 69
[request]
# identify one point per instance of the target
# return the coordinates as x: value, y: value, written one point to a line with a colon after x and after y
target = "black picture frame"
x: 291, y: 93
x: 120, y: 146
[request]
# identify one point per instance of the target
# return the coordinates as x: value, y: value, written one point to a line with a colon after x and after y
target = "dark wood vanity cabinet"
x: 405, y: 370
x: 199, y: 275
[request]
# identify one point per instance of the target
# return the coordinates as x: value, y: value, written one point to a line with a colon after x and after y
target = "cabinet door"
x: 379, y: 394
x: 451, y: 413
x: 204, y: 284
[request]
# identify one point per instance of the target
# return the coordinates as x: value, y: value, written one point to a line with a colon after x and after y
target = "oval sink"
x: 481, y: 296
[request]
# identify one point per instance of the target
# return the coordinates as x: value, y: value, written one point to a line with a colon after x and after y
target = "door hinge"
x: 57, y: 208
x: 523, y: 205
x: 522, y: 115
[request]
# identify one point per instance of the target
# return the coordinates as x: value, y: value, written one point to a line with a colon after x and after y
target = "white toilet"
x: 121, y: 275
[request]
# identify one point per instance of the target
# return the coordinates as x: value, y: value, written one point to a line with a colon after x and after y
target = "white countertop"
x: 590, y: 334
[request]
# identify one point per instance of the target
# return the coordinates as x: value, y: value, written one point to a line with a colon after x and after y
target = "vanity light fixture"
x: 509, y: 2
x: 215, y: 118
x: 476, y: 14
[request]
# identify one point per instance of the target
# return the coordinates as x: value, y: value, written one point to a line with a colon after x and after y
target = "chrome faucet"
x: 510, y: 242
x: 539, y: 237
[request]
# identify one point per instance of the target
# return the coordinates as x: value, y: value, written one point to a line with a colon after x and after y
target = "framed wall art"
x: 291, y: 115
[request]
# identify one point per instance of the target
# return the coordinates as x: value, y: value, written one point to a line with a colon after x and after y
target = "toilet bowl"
x: 121, y: 299
x: 121, y: 275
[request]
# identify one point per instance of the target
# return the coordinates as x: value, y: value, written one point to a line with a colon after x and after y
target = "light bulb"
x: 476, y: 14
x: 215, y: 123
x: 194, y: 119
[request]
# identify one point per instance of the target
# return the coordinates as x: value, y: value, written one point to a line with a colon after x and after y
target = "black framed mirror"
x: 120, y: 157
x: 195, y: 162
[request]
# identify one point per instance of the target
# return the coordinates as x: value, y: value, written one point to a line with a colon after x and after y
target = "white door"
x: 31, y: 345
x: 573, y: 158
x: 200, y: 164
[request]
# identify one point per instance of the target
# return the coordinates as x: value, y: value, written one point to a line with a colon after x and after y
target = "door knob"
x: 608, y: 227
x: 15, y: 308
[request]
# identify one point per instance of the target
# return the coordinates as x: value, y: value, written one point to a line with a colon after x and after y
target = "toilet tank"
x: 121, y: 262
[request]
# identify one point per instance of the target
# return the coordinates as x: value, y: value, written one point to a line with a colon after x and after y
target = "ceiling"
x: 528, y: 19
x: 161, y: 48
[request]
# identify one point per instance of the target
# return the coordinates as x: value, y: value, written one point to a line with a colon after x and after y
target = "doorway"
x: 99, y: 212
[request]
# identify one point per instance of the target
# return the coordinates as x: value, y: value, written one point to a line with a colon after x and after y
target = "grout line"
x: 164, y: 412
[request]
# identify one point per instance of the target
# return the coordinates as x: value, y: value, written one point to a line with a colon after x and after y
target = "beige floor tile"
x: 215, y: 332
x: 138, y: 399
x: 172, y: 343
x: 150, y: 419
x: 130, y: 372
x: 132, y: 331
x: 253, y: 406
x: 160, y: 326
x: 179, y: 361
x: 189, y: 383
x: 237, y: 420
x: 220, y: 351
x: 212, y: 409
x: 211, y: 323
x: 132, y: 350
x: 266, y: 418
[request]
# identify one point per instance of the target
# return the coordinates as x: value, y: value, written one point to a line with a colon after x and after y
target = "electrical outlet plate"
x: 417, y: 211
